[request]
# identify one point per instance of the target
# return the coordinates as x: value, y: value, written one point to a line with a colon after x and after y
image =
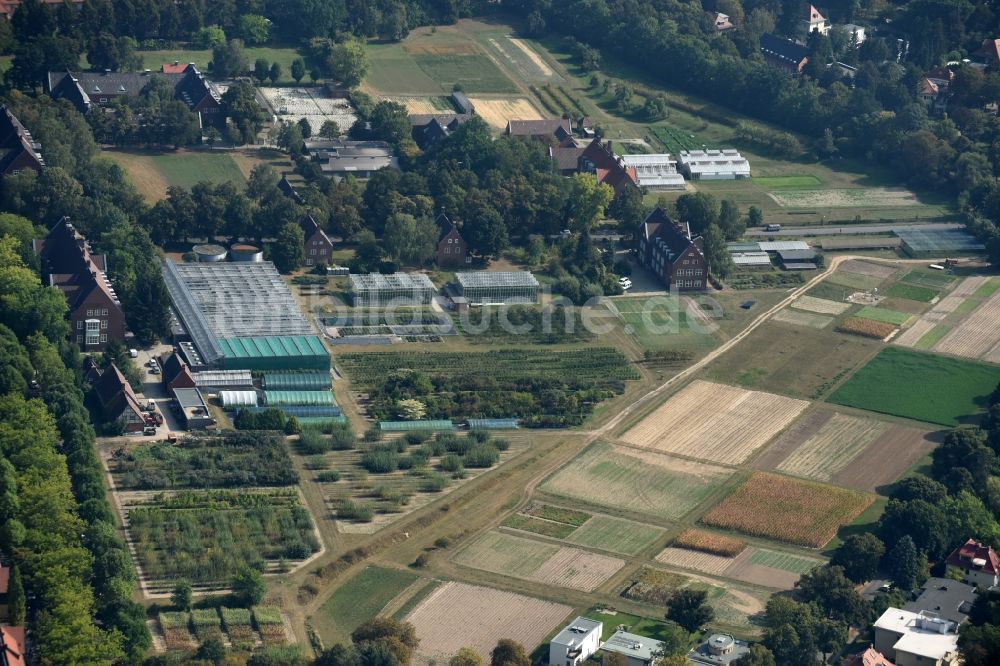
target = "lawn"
x: 201, y: 57
x: 476, y: 73
x: 788, y: 182
x: 924, y: 387
x: 616, y: 535
x: 658, y: 323
x: 153, y: 172
x: 359, y: 599
x: 928, y: 278
x: 912, y: 292
x: 884, y: 315
x: 635, y: 624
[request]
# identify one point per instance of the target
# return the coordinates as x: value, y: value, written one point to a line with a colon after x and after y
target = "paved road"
x: 851, y: 229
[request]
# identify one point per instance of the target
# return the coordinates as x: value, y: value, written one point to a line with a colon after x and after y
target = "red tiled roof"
x: 173, y: 68
x: 870, y: 657
x: 971, y: 550
x: 12, y: 646
x: 928, y: 87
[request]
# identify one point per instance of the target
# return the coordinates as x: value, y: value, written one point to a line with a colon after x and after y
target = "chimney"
x: 176, y: 62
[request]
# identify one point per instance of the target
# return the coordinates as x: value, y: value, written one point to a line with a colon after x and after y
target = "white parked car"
x: 625, y: 283
x: 133, y: 353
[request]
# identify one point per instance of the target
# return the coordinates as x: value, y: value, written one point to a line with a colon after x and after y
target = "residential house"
x: 989, y: 52
x: 452, y: 249
x: 870, y: 657
x: 176, y: 67
x: 8, y: 7
x: 18, y: 151
x: 90, y: 370
x: 783, y: 53
x: 916, y: 639
x: 429, y: 128
x: 856, y: 32
x: 566, y: 156
x: 95, y: 314
x: 202, y: 97
x: 288, y: 189
x: 978, y: 563
x: 600, y: 159
x: 637, y: 650
x: 560, y: 128
x: 13, y: 649
x: 719, y: 649
x: 576, y: 643
x: 318, y: 246
x: 116, y: 400
x: 667, y: 249
x: 361, y: 159
x: 946, y: 598
x: 815, y: 21
x: 722, y: 22
x: 176, y: 373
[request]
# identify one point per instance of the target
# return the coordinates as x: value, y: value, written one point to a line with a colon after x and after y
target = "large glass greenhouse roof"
x: 496, y: 279
x: 395, y: 281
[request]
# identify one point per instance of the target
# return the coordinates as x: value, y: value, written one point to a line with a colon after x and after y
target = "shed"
x: 637, y: 650
x: 288, y: 352
x: 397, y: 289
x: 800, y: 266
x: 194, y: 410
x: 751, y: 260
x: 233, y: 399
x: 463, y: 103
x: 486, y: 287
x: 778, y: 246
x: 316, y: 421
x: 928, y: 243
x: 404, y: 426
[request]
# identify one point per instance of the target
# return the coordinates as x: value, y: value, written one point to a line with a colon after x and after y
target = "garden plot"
x: 294, y: 104
x: 754, y: 565
x: 424, y: 105
x: 538, y: 562
x: 522, y: 59
x: 978, y: 335
x: 615, y: 535
x: 799, y: 318
x: 885, y: 460
x: 867, y: 268
x: 733, y: 605
x: 641, y: 482
x: 871, y: 197
x: 837, y: 441
x: 457, y: 615
x: 496, y: 112
x: 941, y: 310
x: 820, y: 305
x: 716, y: 422
x: 708, y: 563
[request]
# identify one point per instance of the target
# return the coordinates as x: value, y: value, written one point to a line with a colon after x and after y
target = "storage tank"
x: 244, y: 252
x: 209, y: 252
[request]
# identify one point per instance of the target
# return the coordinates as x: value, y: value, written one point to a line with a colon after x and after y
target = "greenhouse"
x: 303, y: 411
x: 210, y: 380
x: 286, y: 352
x: 403, y: 426
x: 397, y: 289
x: 485, y: 287
x: 492, y: 424
x: 317, y: 421
x: 232, y: 399
x: 312, y: 381
x: 280, y: 398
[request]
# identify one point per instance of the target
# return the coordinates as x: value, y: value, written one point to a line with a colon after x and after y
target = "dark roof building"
x: 599, y: 158
x: 18, y: 151
x: 783, y: 53
x: 318, y: 246
x: 667, y: 249
x: 176, y: 373
x: 452, y: 249
x: 428, y: 129
x: 464, y: 104
x: 361, y: 159
x: 946, y: 597
x: 288, y: 189
x: 95, y: 314
x: 116, y: 399
x: 560, y: 128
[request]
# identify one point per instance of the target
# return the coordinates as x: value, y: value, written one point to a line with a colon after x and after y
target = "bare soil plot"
x: 497, y: 112
x: 716, y: 422
x: 616, y: 535
x: 785, y: 509
x: 641, y: 482
x: 457, y: 615
x: 693, y: 559
x: 862, y: 267
x: 839, y: 441
x: 820, y: 305
x: 799, y: 318
x: 977, y: 336
x: 770, y: 568
x: 845, y: 198
x: 885, y: 460
x: 422, y: 105
x: 514, y: 556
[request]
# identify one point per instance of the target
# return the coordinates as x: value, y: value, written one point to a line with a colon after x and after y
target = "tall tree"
x: 906, y: 564
x: 509, y: 653
x: 288, y: 252
x: 689, y: 609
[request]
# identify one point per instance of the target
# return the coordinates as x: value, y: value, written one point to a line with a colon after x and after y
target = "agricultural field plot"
x: 805, y: 513
x: 424, y: 105
x: 792, y: 360
x: 799, y: 318
x: 659, y: 322
x: 242, y: 628
x: 361, y: 598
x: 923, y: 387
x: 754, y: 565
x: 820, y: 305
x: 549, y: 528
x: 538, y: 562
x: 457, y: 615
x: 822, y: 444
x: 209, y: 536
x: 854, y: 281
x: 519, y: 57
x: 868, y: 268
x: 616, y: 535
x: 867, y: 328
x: 884, y: 315
x: 788, y: 182
x: 978, y: 336
x: 496, y: 112
x: 912, y: 292
x: 927, y: 278
x: 644, y: 483
x: 153, y: 172
x: 707, y: 563
x: 475, y: 72
x: 872, y: 197
x: 720, y: 423
x: 885, y: 460
x: 948, y: 311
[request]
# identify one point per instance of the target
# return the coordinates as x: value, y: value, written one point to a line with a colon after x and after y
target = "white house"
x: 637, y: 650
x: 916, y: 639
x: 576, y: 643
x: 977, y: 562
x: 856, y: 31
x: 815, y: 21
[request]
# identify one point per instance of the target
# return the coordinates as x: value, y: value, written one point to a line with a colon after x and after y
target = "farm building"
x: 485, y: 287
x: 798, y: 260
x: 278, y: 398
x: 782, y: 246
x: 928, y: 243
x: 751, y: 260
x: 286, y: 352
x: 297, y: 381
x: 656, y: 172
x: 559, y: 128
x: 211, y: 381
x: 719, y: 649
x: 725, y: 164
x: 783, y: 53
x: 463, y: 103
x: 492, y: 424
x: 304, y: 411
x: 398, y: 289
x: 360, y: 159
x: 637, y: 650
x: 193, y: 410
x: 860, y: 243
x: 576, y: 643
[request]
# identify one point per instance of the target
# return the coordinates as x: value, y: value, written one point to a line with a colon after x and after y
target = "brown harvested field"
x: 804, y: 428
x: 457, y: 615
x: 497, y: 112
x: 885, y: 460
x: 418, y: 105
x: 693, y: 559
x: 912, y: 335
x: 716, y: 422
x: 532, y: 55
x: 820, y: 305
x: 753, y: 565
x: 866, y: 268
x: 561, y: 566
x: 806, y: 513
x: 710, y: 542
x: 832, y: 448
x: 977, y: 336
x: 867, y: 328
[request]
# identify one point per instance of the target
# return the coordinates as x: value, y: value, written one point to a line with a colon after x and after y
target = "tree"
x: 240, y: 105
x: 339, y: 655
x: 859, y: 555
x: 384, y: 640
x: 348, y: 62
x: 509, y: 653
x: 261, y: 68
x: 484, y: 228
x: 757, y: 656
x: 275, y: 72
x: 288, y: 252
x: 409, y: 240
x: 254, y: 29
x: 700, y: 210
x: 209, y: 37
x: 16, y: 601
x: 613, y: 659
x: 212, y: 650
x: 389, y: 122
x: 329, y: 129
x: 298, y: 69
x: 248, y: 587
x: 181, y: 595
x: 979, y: 646
x: 587, y: 201
x: 755, y: 217
x: 304, y: 127
x: 719, y: 260
x: 689, y: 609
x: 906, y: 564
x: 229, y: 59
x: 729, y: 220
x: 466, y: 657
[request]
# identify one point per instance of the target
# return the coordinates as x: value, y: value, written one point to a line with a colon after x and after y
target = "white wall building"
x: 657, y: 172
x: 725, y: 164
x: 576, y: 643
x: 916, y: 639
x: 857, y: 31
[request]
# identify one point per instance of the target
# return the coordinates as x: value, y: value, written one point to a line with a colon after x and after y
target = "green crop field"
x: 783, y: 561
x: 988, y: 289
x: 881, y: 314
x: 547, y: 528
x: 854, y: 281
x: 788, y: 182
x: 658, y: 324
x: 924, y: 387
x: 644, y: 483
x: 933, y: 336
x: 616, y: 535
x: 476, y: 73
x: 153, y: 172
x: 913, y: 292
x: 928, y: 278
x: 359, y: 599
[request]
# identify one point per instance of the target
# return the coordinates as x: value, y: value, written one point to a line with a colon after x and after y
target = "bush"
x: 422, y: 561
x: 434, y: 483
x: 414, y: 438
x: 312, y: 442
x: 342, y: 439
x: 442, y: 542
x: 373, y: 435
x: 328, y: 477
x: 357, y: 511
x: 380, y: 460
x: 479, y: 436
x: 451, y: 463
x: 482, y: 455
x: 500, y: 444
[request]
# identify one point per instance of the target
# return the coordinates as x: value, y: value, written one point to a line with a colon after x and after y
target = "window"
x: 697, y: 283
x: 93, y: 331
x: 79, y: 339
x: 323, y: 251
x: 104, y: 324
x: 104, y: 312
x: 15, y: 172
x: 447, y: 250
x: 312, y: 251
x: 104, y: 337
x: 79, y: 324
x: 90, y: 313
